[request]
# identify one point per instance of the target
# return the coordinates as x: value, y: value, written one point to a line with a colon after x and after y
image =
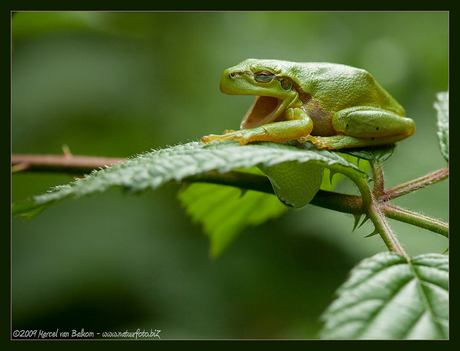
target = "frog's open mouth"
x: 264, y: 110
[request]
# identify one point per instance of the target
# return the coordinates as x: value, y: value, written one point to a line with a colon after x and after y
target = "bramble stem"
x: 373, y: 204
x: 379, y: 181
x: 386, y: 233
x: 66, y: 163
x: 416, y: 184
x: 416, y: 219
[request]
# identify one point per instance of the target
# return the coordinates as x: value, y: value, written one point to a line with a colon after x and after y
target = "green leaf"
x: 386, y: 297
x: 442, y: 106
x: 153, y: 169
x: 295, y: 184
x: 29, y: 208
x: 225, y: 211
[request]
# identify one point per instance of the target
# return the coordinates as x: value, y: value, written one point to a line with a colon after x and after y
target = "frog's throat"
x: 265, y: 109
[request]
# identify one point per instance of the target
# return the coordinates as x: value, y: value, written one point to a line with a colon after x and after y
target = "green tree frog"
x: 332, y: 105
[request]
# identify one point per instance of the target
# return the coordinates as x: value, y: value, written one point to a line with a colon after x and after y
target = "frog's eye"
x: 264, y: 77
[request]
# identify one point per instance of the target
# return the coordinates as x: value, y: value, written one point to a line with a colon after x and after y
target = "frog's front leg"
x: 365, y: 126
x: 292, y: 125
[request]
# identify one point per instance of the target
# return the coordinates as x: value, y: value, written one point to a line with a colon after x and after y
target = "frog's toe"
x: 320, y: 142
x: 206, y: 139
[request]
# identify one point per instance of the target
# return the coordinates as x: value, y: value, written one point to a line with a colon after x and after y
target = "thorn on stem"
x: 364, y: 221
x: 375, y: 232
x: 66, y: 150
x: 357, y: 219
x: 20, y: 167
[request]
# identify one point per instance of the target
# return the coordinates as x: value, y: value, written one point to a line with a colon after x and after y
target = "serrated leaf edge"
x: 351, y: 284
x: 178, y: 162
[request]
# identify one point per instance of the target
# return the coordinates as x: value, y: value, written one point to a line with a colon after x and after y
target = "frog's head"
x: 269, y: 81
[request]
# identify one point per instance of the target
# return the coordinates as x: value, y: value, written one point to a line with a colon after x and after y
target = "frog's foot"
x: 242, y: 136
x: 227, y: 135
x: 320, y: 142
x: 345, y: 141
x: 228, y: 131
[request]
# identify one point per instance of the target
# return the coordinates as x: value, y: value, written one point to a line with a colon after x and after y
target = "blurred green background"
x: 117, y: 84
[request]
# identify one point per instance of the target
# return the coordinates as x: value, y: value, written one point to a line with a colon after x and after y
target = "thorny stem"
x: 65, y: 163
x: 387, y: 235
x: 416, y: 219
x: 416, y: 184
x: 377, y: 215
x: 371, y: 203
x: 372, y: 206
x: 379, y: 180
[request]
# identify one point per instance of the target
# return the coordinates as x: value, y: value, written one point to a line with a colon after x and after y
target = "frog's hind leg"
x: 345, y: 141
x: 365, y: 126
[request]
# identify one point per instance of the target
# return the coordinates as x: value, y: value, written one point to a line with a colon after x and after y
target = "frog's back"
x: 338, y: 86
